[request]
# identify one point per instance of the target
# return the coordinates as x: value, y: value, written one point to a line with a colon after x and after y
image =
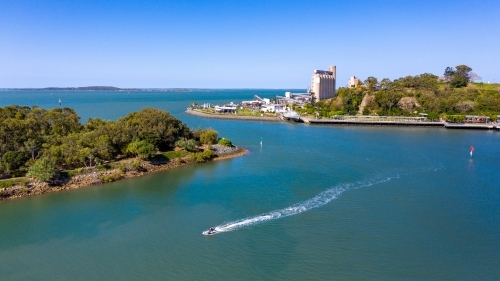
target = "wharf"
x: 395, y: 122
x: 471, y: 126
x: 476, y: 126
x: 373, y: 123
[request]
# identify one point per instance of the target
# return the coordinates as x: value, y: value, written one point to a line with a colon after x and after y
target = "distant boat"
x: 59, y: 101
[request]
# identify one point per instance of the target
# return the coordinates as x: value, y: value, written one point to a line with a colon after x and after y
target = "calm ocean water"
x: 314, y: 203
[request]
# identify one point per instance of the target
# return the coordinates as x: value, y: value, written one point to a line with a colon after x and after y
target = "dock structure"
x: 401, y: 121
x: 479, y: 126
x: 377, y: 121
x: 354, y: 120
x: 373, y: 123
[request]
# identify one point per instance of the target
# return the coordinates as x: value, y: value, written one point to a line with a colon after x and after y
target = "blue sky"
x: 240, y: 44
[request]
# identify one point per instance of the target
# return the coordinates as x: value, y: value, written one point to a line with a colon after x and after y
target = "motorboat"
x: 210, y: 231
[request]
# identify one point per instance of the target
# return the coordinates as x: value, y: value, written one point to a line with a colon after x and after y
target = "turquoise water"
x: 314, y: 203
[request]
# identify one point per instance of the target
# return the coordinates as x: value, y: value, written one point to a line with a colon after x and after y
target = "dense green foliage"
x: 175, y: 154
x: 458, y: 77
x: 12, y: 160
x: 225, y: 142
x: 452, y: 94
x: 42, y: 170
x: 154, y: 126
x: 143, y: 149
x: 455, y: 118
x: 201, y: 156
x: 208, y: 136
x: 187, y: 144
x: 27, y: 134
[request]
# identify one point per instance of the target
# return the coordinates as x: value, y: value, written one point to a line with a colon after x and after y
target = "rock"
x: 408, y: 103
x: 222, y: 150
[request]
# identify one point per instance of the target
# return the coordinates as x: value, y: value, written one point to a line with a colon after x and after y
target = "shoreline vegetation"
x: 454, y: 100
x: 49, y: 150
x: 449, y: 98
x: 97, y: 176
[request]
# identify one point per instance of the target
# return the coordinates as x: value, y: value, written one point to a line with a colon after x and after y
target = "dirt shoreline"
x: 92, y: 177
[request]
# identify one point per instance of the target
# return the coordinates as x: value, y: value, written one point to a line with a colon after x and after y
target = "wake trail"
x: 317, y: 201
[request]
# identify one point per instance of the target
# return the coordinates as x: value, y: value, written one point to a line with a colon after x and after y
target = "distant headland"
x: 101, y: 88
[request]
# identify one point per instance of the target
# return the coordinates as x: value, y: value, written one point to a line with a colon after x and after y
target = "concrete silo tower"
x: 323, y: 83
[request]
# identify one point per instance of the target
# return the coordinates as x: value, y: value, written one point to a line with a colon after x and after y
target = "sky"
x: 240, y: 44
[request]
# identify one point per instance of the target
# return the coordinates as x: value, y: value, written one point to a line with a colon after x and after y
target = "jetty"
x: 478, y: 126
x: 353, y: 120
x: 376, y: 121
x: 373, y: 123
x: 439, y: 124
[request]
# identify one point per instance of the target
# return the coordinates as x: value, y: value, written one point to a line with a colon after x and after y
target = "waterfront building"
x: 253, y: 104
x: 226, y: 109
x: 353, y: 82
x: 476, y: 119
x: 323, y: 83
x: 277, y: 108
x: 294, y: 98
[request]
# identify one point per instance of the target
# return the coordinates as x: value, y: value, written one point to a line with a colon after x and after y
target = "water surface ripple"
x: 313, y: 203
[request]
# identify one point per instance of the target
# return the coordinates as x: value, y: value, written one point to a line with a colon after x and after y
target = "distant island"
x: 101, y: 88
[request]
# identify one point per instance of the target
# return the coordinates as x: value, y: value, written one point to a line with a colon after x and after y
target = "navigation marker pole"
x: 471, y: 149
x: 261, y: 142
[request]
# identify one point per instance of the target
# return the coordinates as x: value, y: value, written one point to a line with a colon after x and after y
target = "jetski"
x: 210, y: 231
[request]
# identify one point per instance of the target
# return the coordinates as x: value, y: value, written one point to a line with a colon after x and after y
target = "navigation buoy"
x: 471, y: 149
x: 261, y: 142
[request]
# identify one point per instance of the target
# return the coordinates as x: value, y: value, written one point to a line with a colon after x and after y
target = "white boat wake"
x: 317, y: 201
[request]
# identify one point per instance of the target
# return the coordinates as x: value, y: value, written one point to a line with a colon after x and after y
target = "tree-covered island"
x: 43, y: 150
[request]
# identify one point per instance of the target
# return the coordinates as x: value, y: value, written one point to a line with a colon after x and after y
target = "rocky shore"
x: 93, y: 177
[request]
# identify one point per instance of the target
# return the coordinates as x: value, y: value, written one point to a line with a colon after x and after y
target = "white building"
x: 353, y: 82
x: 228, y: 108
x: 323, y: 83
x: 278, y: 108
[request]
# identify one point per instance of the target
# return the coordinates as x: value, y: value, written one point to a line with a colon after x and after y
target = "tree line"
x: 454, y: 93
x: 43, y: 140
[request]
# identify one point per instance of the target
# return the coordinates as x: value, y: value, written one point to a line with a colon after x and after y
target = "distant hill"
x: 102, y: 88
x: 89, y: 88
